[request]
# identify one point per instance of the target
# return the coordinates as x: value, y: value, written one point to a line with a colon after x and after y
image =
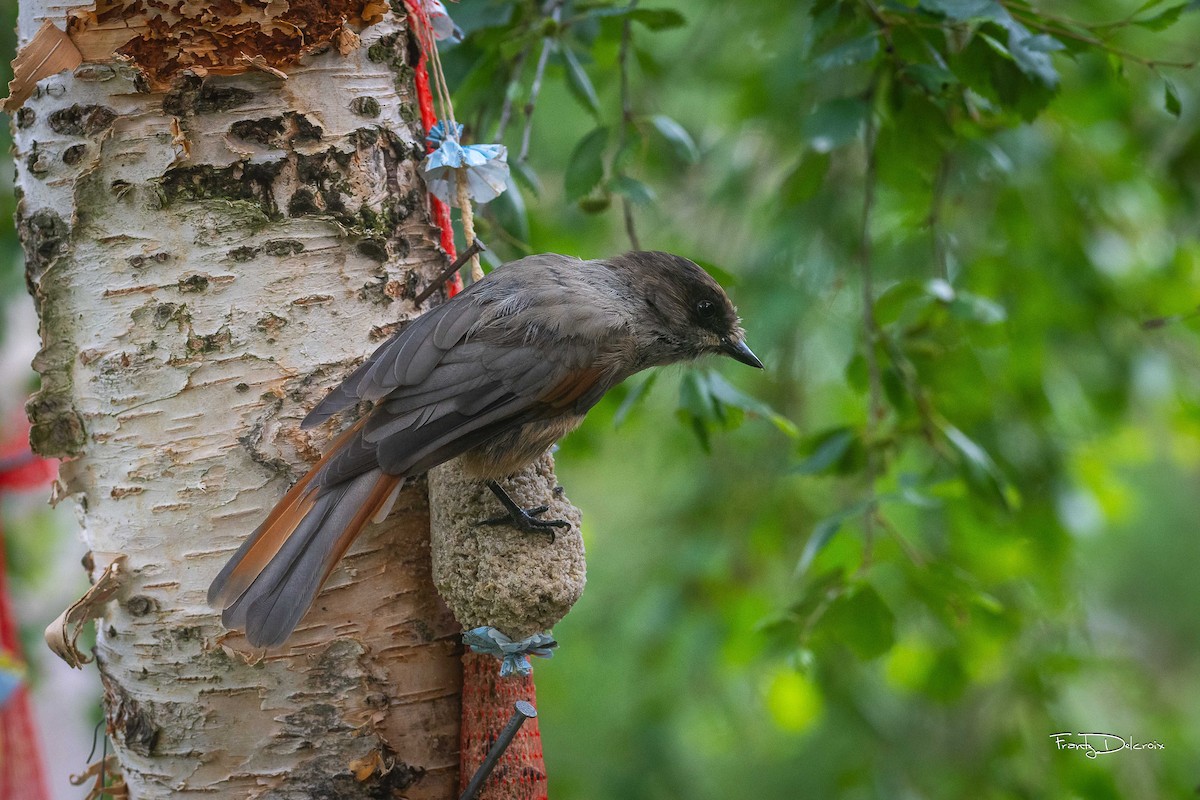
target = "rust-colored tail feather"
x: 262, y: 545
x: 271, y: 581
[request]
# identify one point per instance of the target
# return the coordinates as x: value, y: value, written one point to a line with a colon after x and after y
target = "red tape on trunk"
x: 439, y: 211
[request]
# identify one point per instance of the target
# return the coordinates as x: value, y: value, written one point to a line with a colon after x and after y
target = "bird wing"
x: 405, y: 358
x: 470, y: 370
x: 479, y: 390
x: 411, y: 354
x: 488, y: 390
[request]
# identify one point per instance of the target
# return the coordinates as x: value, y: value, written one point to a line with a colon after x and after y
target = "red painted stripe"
x: 438, y: 210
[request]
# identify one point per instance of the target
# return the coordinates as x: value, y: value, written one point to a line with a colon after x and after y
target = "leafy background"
x: 956, y: 515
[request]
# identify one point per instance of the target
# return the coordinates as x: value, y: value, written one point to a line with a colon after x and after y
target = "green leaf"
x: 526, y: 176
x: 633, y: 398
x: 510, y: 211
x: 1171, y: 99
x: 638, y: 192
x: 1164, y: 19
x: 695, y: 407
x: 723, y: 276
x: 601, y: 8
x: 981, y: 470
x: 823, y: 533
x: 964, y: 10
x: 896, y: 391
x: 856, y: 373
x: 511, y: 46
x: 1031, y: 53
x: 834, y: 123
x: 580, y: 83
x: 862, y: 622
x: 803, y: 183
x: 828, y: 449
x: 658, y: 19
x: 940, y: 289
x: 935, y: 80
x: 726, y: 393
x: 975, y: 308
x: 585, y: 167
x: 1146, y: 6
x: 896, y: 299
x: 707, y: 401
x: 1023, y: 77
x: 678, y: 137
x: 965, y: 305
x: 631, y: 149
x: 650, y: 62
x: 847, y: 54
x: 596, y: 203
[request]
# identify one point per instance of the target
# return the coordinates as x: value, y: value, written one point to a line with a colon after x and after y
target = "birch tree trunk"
x: 209, y: 254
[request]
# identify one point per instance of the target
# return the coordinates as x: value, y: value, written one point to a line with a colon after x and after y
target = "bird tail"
x: 275, y: 575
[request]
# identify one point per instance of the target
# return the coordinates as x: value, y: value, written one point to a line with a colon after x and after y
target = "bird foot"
x: 523, y: 519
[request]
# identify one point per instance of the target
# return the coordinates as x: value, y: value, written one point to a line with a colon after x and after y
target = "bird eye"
x: 705, y: 308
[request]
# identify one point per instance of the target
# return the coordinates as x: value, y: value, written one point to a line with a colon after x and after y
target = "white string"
x: 438, y: 78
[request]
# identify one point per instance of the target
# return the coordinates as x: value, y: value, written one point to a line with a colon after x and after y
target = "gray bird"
x: 496, y: 375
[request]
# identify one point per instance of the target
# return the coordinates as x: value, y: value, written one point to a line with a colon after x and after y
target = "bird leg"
x: 524, y: 519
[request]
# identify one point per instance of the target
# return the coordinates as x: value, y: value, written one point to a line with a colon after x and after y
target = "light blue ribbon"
x: 514, y: 655
x: 484, y: 165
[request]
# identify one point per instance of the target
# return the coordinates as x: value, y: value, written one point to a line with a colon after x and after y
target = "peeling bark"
x: 207, y: 261
x: 217, y: 37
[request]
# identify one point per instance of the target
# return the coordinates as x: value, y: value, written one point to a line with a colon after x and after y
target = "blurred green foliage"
x: 953, y: 518
x: 956, y: 514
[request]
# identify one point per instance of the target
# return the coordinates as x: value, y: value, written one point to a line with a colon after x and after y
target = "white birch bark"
x: 206, y: 263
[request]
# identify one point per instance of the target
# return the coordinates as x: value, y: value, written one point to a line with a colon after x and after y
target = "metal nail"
x: 521, y: 712
x: 474, y: 248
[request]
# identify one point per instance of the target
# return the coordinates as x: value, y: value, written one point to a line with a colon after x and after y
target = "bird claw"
x: 528, y: 522
x: 524, y: 519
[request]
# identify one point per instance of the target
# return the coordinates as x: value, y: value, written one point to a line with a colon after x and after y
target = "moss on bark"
x: 57, y: 429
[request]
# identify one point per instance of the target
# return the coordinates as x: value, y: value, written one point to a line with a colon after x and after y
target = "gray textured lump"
x: 496, y: 575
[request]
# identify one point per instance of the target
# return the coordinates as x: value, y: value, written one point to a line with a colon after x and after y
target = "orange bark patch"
x: 165, y: 38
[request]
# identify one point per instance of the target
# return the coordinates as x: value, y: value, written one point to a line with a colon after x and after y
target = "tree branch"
x: 626, y: 119
x: 934, y: 220
x: 875, y: 408
x: 555, y: 9
x: 506, y: 109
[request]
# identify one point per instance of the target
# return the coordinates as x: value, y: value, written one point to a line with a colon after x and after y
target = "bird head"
x: 689, y: 314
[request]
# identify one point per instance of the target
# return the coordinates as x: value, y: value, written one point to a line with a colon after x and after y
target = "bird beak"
x: 738, y: 351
